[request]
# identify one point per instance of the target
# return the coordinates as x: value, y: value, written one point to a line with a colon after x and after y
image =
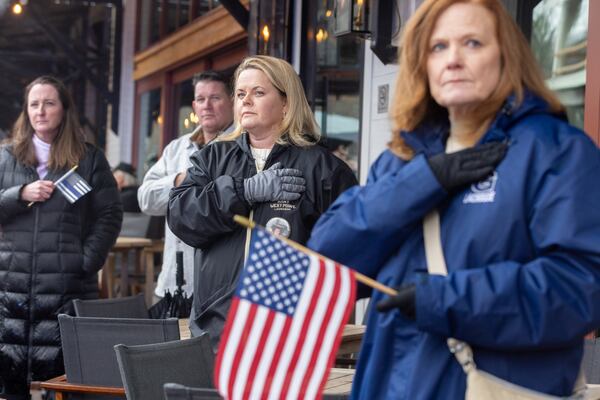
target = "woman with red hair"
x: 479, y: 138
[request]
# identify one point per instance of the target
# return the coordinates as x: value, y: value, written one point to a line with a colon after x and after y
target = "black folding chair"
x: 145, y: 369
x: 118, y: 307
x: 90, y: 362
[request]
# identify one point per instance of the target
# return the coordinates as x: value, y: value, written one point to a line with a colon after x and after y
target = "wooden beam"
x: 214, y: 30
x: 237, y: 11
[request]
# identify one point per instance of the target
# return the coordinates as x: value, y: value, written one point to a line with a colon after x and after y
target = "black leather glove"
x: 404, y: 301
x: 456, y: 170
x: 274, y: 184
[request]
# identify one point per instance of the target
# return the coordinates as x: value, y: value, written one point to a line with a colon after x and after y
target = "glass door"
x: 150, y: 128
x: 559, y: 41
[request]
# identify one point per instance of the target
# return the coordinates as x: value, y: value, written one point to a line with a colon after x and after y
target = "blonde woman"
x: 270, y: 168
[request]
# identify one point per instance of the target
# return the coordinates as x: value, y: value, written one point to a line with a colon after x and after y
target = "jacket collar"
x: 196, y: 146
x: 430, y: 137
x: 243, y: 141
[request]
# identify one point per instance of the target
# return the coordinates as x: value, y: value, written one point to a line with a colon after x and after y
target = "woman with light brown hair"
x: 51, y: 247
x: 480, y: 142
x: 269, y: 169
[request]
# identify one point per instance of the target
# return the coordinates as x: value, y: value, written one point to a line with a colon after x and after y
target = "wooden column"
x: 592, y: 86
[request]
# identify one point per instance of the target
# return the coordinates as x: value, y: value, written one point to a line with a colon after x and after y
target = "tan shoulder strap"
x: 436, y: 264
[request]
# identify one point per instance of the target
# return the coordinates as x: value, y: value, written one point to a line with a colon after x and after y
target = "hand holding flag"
x: 71, y: 185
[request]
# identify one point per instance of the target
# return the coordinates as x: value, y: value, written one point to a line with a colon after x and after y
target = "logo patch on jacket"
x: 483, y: 191
x: 282, y: 205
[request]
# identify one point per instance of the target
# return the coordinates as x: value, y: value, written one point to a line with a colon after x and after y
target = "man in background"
x: 213, y: 105
x: 125, y: 176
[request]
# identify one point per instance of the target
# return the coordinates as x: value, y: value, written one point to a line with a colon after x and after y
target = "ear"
x: 285, y: 107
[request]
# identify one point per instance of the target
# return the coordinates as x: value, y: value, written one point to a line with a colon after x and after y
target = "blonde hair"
x: 68, y: 146
x: 413, y: 103
x: 298, y: 126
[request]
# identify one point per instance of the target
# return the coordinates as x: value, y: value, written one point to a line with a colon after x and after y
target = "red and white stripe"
x: 266, y: 354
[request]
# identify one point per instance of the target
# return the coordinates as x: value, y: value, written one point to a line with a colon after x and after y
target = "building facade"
x: 348, y: 71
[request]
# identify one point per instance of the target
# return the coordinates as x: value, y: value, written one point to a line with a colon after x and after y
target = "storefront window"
x: 559, y: 42
x: 177, y: 14
x: 159, y: 18
x: 186, y: 119
x: 337, y: 100
x: 149, y: 23
x: 269, y: 28
x: 150, y: 130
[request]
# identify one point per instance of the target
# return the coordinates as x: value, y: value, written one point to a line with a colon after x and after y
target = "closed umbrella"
x: 178, y: 304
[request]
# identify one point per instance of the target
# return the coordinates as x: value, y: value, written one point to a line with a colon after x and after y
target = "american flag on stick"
x: 72, y: 185
x: 285, y: 323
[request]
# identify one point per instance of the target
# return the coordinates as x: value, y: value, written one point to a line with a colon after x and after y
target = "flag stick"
x: 359, y: 277
x: 69, y: 172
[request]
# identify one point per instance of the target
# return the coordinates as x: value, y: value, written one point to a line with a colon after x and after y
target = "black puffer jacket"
x: 49, y: 254
x: 201, y: 214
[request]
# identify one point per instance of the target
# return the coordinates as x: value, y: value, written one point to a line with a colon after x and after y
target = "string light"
x: 321, y: 35
x: 266, y: 33
x: 17, y: 8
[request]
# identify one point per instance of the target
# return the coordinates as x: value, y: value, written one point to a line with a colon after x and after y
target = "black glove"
x: 455, y: 170
x: 404, y: 301
x: 274, y: 184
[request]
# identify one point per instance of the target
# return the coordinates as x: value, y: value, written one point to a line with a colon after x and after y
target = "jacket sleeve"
x: 104, y: 215
x: 341, y: 179
x: 11, y: 203
x: 365, y: 225
x: 153, y: 194
x: 201, y: 209
x: 553, y: 299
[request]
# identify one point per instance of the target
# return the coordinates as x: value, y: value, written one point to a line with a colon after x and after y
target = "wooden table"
x: 61, y: 388
x: 340, y: 379
x: 143, y: 250
x: 351, y: 339
x: 351, y: 336
x: 338, y: 382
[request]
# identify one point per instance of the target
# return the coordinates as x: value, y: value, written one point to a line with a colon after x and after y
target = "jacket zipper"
x: 31, y: 300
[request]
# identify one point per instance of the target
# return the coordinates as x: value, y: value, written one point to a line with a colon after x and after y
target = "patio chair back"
x: 174, y: 391
x: 88, y: 344
x: 145, y: 369
x: 118, y: 307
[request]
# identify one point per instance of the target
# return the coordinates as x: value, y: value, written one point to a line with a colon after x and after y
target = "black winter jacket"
x: 50, y: 253
x: 201, y: 213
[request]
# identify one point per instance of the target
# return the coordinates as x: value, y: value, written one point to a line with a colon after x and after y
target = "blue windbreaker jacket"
x: 522, y: 250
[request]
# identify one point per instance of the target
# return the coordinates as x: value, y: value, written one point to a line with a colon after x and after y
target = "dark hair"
x: 125, y: 167
x: 69, y: 145
x: 213, y: 76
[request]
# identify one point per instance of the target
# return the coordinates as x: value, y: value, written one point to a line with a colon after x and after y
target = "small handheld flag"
x: 285, y: 323
x: 72, y: 186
